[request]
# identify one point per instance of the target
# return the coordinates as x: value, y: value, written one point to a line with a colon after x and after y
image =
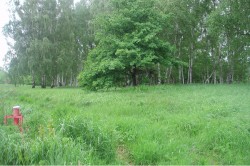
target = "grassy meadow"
x: 170, y: 124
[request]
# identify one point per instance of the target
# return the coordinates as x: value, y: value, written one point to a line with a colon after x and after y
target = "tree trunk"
x: 168, y: 74
x: 180, y: 76
x: 43, y: 83
x: 230, y: 54
x: 71, y: 78
x: 221, y: 65
x: 134, y: 75
x: 62, y: 79
x: 190, y: 68
x: 33, y: 80
x: 52, y: 83
x: 182, y: 73
x: 191, y: 56
x: 180, y: 67
x: 214, y: 66
x: 159, y: 73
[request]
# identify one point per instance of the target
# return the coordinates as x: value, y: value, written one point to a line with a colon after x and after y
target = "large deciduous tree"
x: 128, y: 43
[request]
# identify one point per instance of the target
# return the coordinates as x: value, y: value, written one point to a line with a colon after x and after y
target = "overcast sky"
x: 4, y: 18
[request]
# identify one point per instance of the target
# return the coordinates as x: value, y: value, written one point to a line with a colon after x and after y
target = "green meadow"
x: 170, y: 124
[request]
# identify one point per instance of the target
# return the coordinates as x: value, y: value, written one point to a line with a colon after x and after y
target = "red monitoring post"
x: 16, y: 116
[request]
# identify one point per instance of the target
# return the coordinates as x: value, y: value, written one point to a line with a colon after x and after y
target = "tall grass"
x: 194, y: 124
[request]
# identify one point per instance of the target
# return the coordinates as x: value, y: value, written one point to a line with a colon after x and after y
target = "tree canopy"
x: 129, y: 42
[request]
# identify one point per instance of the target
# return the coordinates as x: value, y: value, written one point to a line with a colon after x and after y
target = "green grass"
x: 173, y: 124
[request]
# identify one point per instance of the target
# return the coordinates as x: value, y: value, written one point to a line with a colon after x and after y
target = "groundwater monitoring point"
x: 16, y: 116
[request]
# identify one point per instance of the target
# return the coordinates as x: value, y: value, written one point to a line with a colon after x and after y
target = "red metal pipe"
x: 16, y: 116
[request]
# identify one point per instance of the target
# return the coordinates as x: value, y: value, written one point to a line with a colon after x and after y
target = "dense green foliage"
x: 194, y: 124
x: 129, y: 43
x: 120, y: 43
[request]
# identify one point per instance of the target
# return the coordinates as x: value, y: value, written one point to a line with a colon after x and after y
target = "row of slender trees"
x: 51, y: 40
x: 104, y: 43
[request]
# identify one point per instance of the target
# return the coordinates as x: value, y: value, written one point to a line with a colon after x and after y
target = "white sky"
x: 4, y: 19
